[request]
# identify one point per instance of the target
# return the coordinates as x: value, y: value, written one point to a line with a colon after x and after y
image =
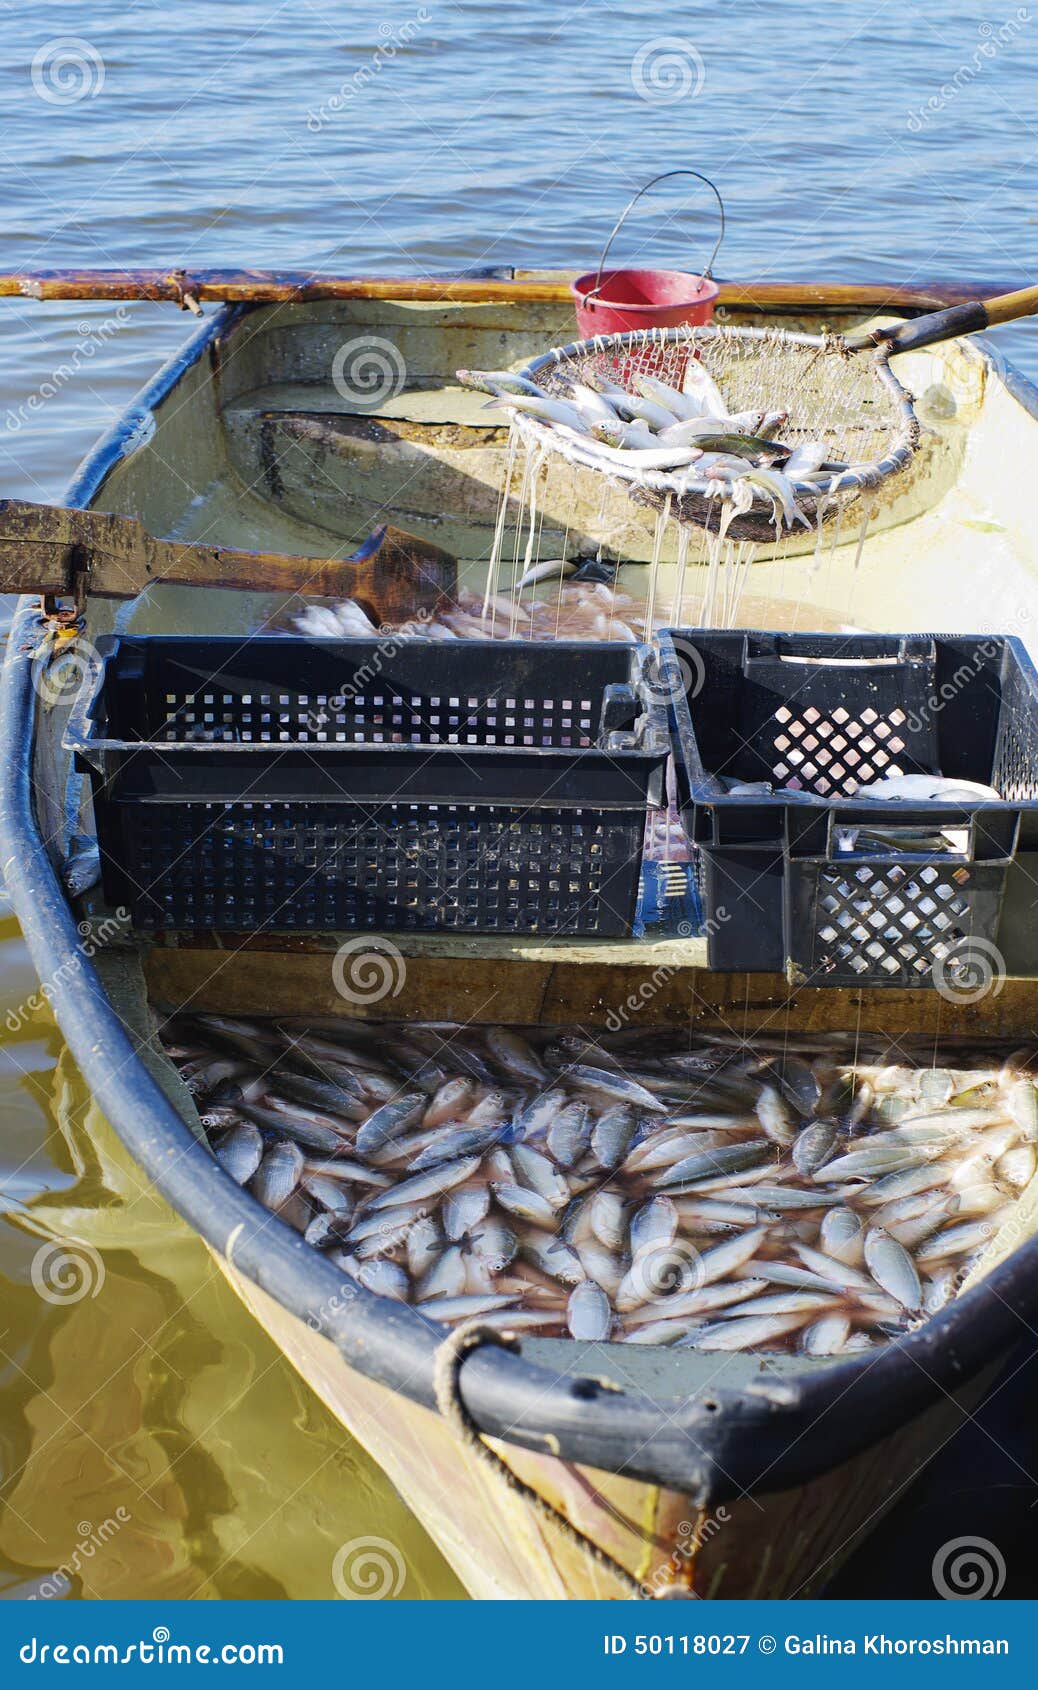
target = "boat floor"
x: 962, y: 537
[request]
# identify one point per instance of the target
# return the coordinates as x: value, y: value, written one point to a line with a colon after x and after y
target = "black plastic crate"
x: 820, y: 713
x: 281, y: 783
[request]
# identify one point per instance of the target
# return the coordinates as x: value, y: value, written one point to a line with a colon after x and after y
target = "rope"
x: 450, y: 1358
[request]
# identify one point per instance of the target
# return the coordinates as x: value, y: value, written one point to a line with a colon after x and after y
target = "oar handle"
x: 61, y: 552
x: 947, y: 325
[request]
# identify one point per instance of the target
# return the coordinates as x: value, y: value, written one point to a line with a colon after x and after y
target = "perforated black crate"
x: 809, y: 879
x: 281, y: 783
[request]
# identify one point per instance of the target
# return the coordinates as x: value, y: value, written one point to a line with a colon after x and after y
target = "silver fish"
x: 239, y: 1152
x: 464, y: 1307
x: 539, y: 1173
x: 314, y: 1131
x: 446, y: 1277
x: 278, y: 1175
x: 528, y: 1205
x: 450, y: 1101
x: 331, y: 1195
x: 516, y: 1056
x: 827, y: 1267
x: 463, y: 1210
x: 724, y: 1160
x: 655, y: 1223
x: 746, y: 1334
x: 610, y: 1084
x: 827, y: 1336
x: 892, y: 1268
x: 424, y: 1246
x: 428, y: 1184
x: 569, y: 1133
x: 386, y: 1279
x: 842, y: 1236
x: 704, y: 1301
x: 588, y: 1314
x: 389, y: 1121
x: 495, y: 1245
x: 553, y: 1257
x: 607, y: 1219
x: 813, y: 1146
x: 451, y: 1143
x: 611, y: 1135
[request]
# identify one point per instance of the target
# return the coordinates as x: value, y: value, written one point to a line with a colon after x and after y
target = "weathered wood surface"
x: 261, y: 286
x: 53, y: 550
x: 447, y: 979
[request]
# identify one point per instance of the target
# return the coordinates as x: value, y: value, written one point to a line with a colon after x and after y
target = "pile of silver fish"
x: 657, y: 427
x: 635, y: 1187
x: 583, y: 610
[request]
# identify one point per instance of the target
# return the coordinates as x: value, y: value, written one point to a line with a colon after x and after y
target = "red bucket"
x: 618, y: 301
x: 622, y: 301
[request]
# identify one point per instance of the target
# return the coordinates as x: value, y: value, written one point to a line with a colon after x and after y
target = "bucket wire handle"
x: 629, y: 207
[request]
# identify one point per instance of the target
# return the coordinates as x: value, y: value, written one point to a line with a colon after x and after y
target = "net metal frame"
x: 855, y: 404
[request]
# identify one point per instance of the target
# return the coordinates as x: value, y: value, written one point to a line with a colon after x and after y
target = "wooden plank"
x: 50, y: 549
x: 260, y: 286
x: 559, y: 989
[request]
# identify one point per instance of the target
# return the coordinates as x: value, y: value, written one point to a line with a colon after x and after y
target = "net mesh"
x: 853, y: 405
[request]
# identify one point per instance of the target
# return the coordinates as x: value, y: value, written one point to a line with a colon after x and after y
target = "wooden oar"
x: 970, y: 317
x: 59, y: 553
x: 186, y: 289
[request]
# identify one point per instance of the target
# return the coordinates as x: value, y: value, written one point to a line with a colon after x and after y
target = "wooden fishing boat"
x: 729, y: 1476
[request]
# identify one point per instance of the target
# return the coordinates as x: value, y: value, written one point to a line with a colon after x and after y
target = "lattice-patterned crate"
x: 806, y: 876
x: 278, y: 783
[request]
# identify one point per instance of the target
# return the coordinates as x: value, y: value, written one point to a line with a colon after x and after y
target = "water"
x: 877, y: 143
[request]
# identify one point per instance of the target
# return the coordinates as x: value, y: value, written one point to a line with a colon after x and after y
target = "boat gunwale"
x: 717, y: 1445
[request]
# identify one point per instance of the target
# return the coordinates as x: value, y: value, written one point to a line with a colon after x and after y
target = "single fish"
x: 239, y: 1152
x: 826, y: 1337
x: 558, y: 411
x: 389, y: 1121
x: 827, y: 1267
x: 527, y: 1205
x: 446, y: 1277
x: 774, y: 1116
x: 278, y: 1175
x: 329, y: 1193
x: 540, y: 1174
x: 315, y: 1132
x: 607, y: 1219
x: 724, y: 1160
x: 588, y: 1314
x: 495, y: 1244
x: 453, y: 1142
x: 611, y: 1135
x: 516, y: 1056
x: 553, y: 1257
x: 504, y: 381
x: 428, y: 1184
x: 424, y: 1246
x: 655, y: 1223
x: 892, y: 1268
x: 842, y: 1236
x: 450, y: 1102
x: 747, y: 1334
x: 569, y: 1134
x: 702, y: 1302
x: 464, y: 1307
x: 463, y: 1210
